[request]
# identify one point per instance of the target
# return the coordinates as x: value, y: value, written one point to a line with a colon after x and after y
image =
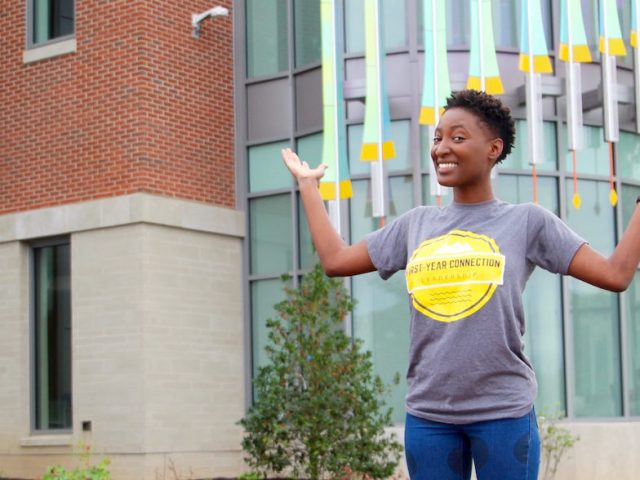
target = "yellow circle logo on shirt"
x: 454, y: 275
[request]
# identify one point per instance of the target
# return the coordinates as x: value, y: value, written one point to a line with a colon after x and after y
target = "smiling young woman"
x: 470, y: 139
x: 471, y: 387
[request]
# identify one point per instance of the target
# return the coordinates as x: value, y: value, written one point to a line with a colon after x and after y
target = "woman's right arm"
x: 616, y: 272
x: 337, y: 258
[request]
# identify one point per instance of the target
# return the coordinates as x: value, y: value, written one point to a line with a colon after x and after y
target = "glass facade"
x: 505, y: 18
x: 584, y: 343
x: 52, y: 337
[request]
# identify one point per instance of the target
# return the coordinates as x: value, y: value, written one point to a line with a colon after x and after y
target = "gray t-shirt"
x: 466, y: 267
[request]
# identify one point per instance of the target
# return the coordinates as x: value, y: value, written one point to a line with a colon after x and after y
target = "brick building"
x: 117, y: 203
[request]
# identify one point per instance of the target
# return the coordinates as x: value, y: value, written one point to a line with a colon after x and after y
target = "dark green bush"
x: 318, y: 411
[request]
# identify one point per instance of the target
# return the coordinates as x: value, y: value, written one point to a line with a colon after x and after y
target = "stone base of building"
x: 157, y: 334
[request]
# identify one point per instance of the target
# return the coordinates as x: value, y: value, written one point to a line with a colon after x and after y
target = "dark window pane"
x: 62, y: 18
x: 52, y: 337
x: 52, y: 19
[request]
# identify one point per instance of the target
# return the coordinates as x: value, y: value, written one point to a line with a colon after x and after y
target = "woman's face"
x: 464, y: 150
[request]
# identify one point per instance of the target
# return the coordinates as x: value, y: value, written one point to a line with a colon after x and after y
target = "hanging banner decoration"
x: 534, y: 55
x: 611, y: 41
x: 436, y: 86
x: 611, y: 45
x: 335, y: 184
x: 534, y: 61
x: 574, y: 49
x: 635, y: 21
x: 483, y: 64
x: 377, y: 145
x: 573, y: 39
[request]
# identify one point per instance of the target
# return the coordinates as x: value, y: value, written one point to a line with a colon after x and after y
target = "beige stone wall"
x: 158, y: 346
x: 14, y: 347
x: 606, y: 450
x: 158, y: 340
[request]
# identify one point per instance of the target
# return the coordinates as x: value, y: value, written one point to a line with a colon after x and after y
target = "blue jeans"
x: 505, y: 449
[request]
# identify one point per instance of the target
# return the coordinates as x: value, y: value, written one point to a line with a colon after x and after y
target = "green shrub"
x: 250, y: 476
x: 318, y: 411
x: 99, y: 471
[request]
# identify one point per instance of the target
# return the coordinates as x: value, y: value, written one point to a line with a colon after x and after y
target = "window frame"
x: 32, y: 279
x: 29, y: 31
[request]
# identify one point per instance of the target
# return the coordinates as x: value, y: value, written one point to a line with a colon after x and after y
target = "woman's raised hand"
x: 300, y: 169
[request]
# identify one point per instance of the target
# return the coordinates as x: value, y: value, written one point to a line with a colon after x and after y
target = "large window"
x: 271, y: 232
x: 267, y: 41
x: 308, y: 40
x: 49, y: 20
x: 52, y: 336
x: 594, y: 312
x: 265, y: 172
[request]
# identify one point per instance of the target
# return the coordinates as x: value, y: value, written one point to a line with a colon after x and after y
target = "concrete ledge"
x: 47, y: 441
x: 118, y: 211
x: 49, y: 51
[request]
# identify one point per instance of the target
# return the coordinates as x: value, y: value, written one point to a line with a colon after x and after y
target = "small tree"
x: 555, y: 442
x: 318, y: 411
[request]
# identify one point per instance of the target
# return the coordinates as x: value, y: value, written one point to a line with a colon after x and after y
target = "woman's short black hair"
x: 489, y: 111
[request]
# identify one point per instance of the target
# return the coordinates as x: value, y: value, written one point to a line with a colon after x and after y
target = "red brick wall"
x: 141, y: 106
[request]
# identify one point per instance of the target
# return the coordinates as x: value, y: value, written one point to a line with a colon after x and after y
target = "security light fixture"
x: 196, y: 19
